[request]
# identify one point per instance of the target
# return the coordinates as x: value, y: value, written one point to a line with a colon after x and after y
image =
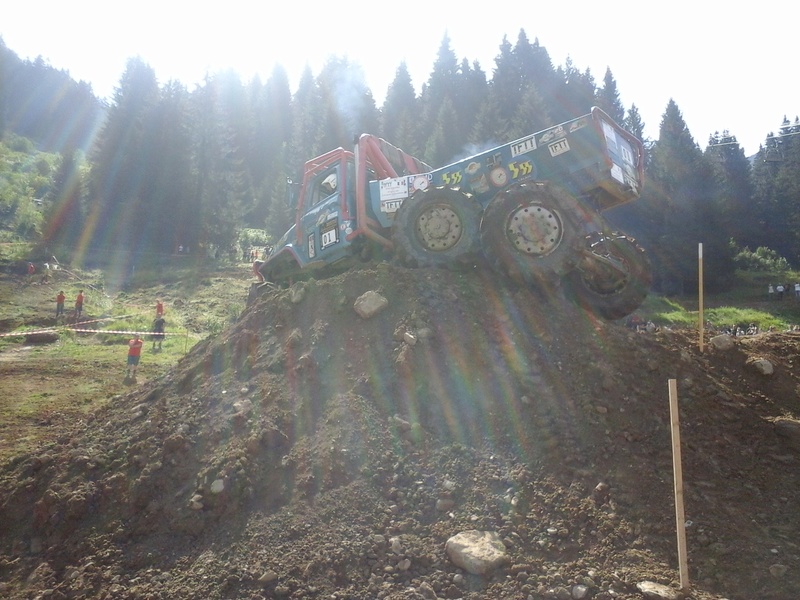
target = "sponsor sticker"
x: 551, y: 134
x: 559, y: 147
x: 616, y: 173
x: 393, y: 189
x: 329, y: 234
x: 312, y: 248
x: 523, y: 146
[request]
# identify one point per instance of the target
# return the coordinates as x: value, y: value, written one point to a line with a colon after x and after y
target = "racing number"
x: 452, y: 178
x: 520, y: 169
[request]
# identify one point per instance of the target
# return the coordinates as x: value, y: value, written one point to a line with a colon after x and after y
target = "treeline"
x: 171, y: 166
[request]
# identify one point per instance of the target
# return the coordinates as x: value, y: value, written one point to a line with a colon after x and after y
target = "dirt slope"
x: 307, y: 452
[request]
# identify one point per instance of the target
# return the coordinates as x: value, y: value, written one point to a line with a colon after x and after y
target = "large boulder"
x: 477, y: 552
x: 370, y: 304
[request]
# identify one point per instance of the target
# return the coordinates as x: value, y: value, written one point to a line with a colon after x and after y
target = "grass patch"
x: 745, y: 303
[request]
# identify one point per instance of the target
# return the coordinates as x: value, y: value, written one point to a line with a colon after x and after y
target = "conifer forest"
x: 159, y: 166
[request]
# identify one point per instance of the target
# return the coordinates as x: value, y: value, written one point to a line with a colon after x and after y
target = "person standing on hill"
x: 134, y: 352
x: 79, y: 304
x: 257, y: 270
x: 159, y: 309
x: 60, y: 298
x: 158, y: 331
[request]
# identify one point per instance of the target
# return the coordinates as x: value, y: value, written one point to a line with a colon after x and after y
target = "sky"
x: 726, y: 67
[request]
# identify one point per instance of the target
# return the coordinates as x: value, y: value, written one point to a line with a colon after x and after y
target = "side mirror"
x: 291, y: 192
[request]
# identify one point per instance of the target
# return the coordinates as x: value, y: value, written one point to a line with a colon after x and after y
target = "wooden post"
x: 680, y: 519
x: 700, y: 285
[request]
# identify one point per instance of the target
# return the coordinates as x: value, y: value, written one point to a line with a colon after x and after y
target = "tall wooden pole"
x: 701, y: 320
x: 680, y: 519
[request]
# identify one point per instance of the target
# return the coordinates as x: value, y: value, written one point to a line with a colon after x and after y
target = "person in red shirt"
x: 60, y: 298
x: 134, y: 352
x: 159, y: 309
x: 79, y: 304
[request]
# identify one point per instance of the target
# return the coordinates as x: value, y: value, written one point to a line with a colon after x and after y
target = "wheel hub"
x: 439, y: 228
x: 534, y: 230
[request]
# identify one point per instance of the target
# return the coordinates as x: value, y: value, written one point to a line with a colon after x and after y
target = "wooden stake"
x: 700, y: 285
x: 680, y: 519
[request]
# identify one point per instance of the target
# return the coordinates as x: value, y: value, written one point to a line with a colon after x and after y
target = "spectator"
x: 770, y: 291
x: 79, y: 304
x: 797, y: 291
x: 158, y: 331
x: 60, y: 298
x: 779, y: 290
x: 31, y: 268
x: 134, y: 352
x: 159, y: 309
x: 257, y: 270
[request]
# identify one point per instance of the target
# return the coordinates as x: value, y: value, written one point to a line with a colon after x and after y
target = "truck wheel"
x: 528, y: 232
x: 611, y: 292
x: 436, y: 228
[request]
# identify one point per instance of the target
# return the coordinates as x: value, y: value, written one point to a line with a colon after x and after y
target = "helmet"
x: 329, y: 183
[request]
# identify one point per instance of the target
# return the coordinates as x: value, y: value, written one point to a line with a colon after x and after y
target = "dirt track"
x: 308, y: 452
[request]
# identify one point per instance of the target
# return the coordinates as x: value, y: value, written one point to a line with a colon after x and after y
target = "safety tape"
x: 52, y: 329
x: 125, y: 332
x: 119, y: 318
x: 21, y: 333
x: 55, y: 329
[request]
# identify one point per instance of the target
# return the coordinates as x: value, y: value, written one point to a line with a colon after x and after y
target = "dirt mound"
x: 310, y: 452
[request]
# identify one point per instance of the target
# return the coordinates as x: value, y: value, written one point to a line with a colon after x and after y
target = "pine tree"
x: 65, y: 218
x: 307, y: 119
x: 221, y: 188
x: 439, y: 149
x: 776, y: 177
x: 685, y: 183
x: 170, y: 220
x: 535, y: 68
x: 440, y: 88
x: 733, y: 189
x: 347, y: 103
x: 506, y: 83
x: 575, y: 95
x: 270, y: 134
x: 633, y: 122
x: 121, y: 173
x: 6, y: 56
x: 608, y: 98
x: 399, y: 112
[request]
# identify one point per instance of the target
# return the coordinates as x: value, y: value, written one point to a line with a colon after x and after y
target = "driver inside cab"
x: 329, y: 185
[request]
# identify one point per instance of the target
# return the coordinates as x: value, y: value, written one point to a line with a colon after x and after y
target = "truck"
x: 530, y: 209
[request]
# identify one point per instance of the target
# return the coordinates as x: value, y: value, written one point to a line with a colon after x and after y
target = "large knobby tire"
x: 530, y: 232
x: 612, y: 293
x: 436, y: 228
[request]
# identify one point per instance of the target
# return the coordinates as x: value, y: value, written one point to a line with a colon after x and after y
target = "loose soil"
x: 308, y: 452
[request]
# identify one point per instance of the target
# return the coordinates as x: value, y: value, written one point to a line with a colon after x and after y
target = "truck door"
x: 320, y: 222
